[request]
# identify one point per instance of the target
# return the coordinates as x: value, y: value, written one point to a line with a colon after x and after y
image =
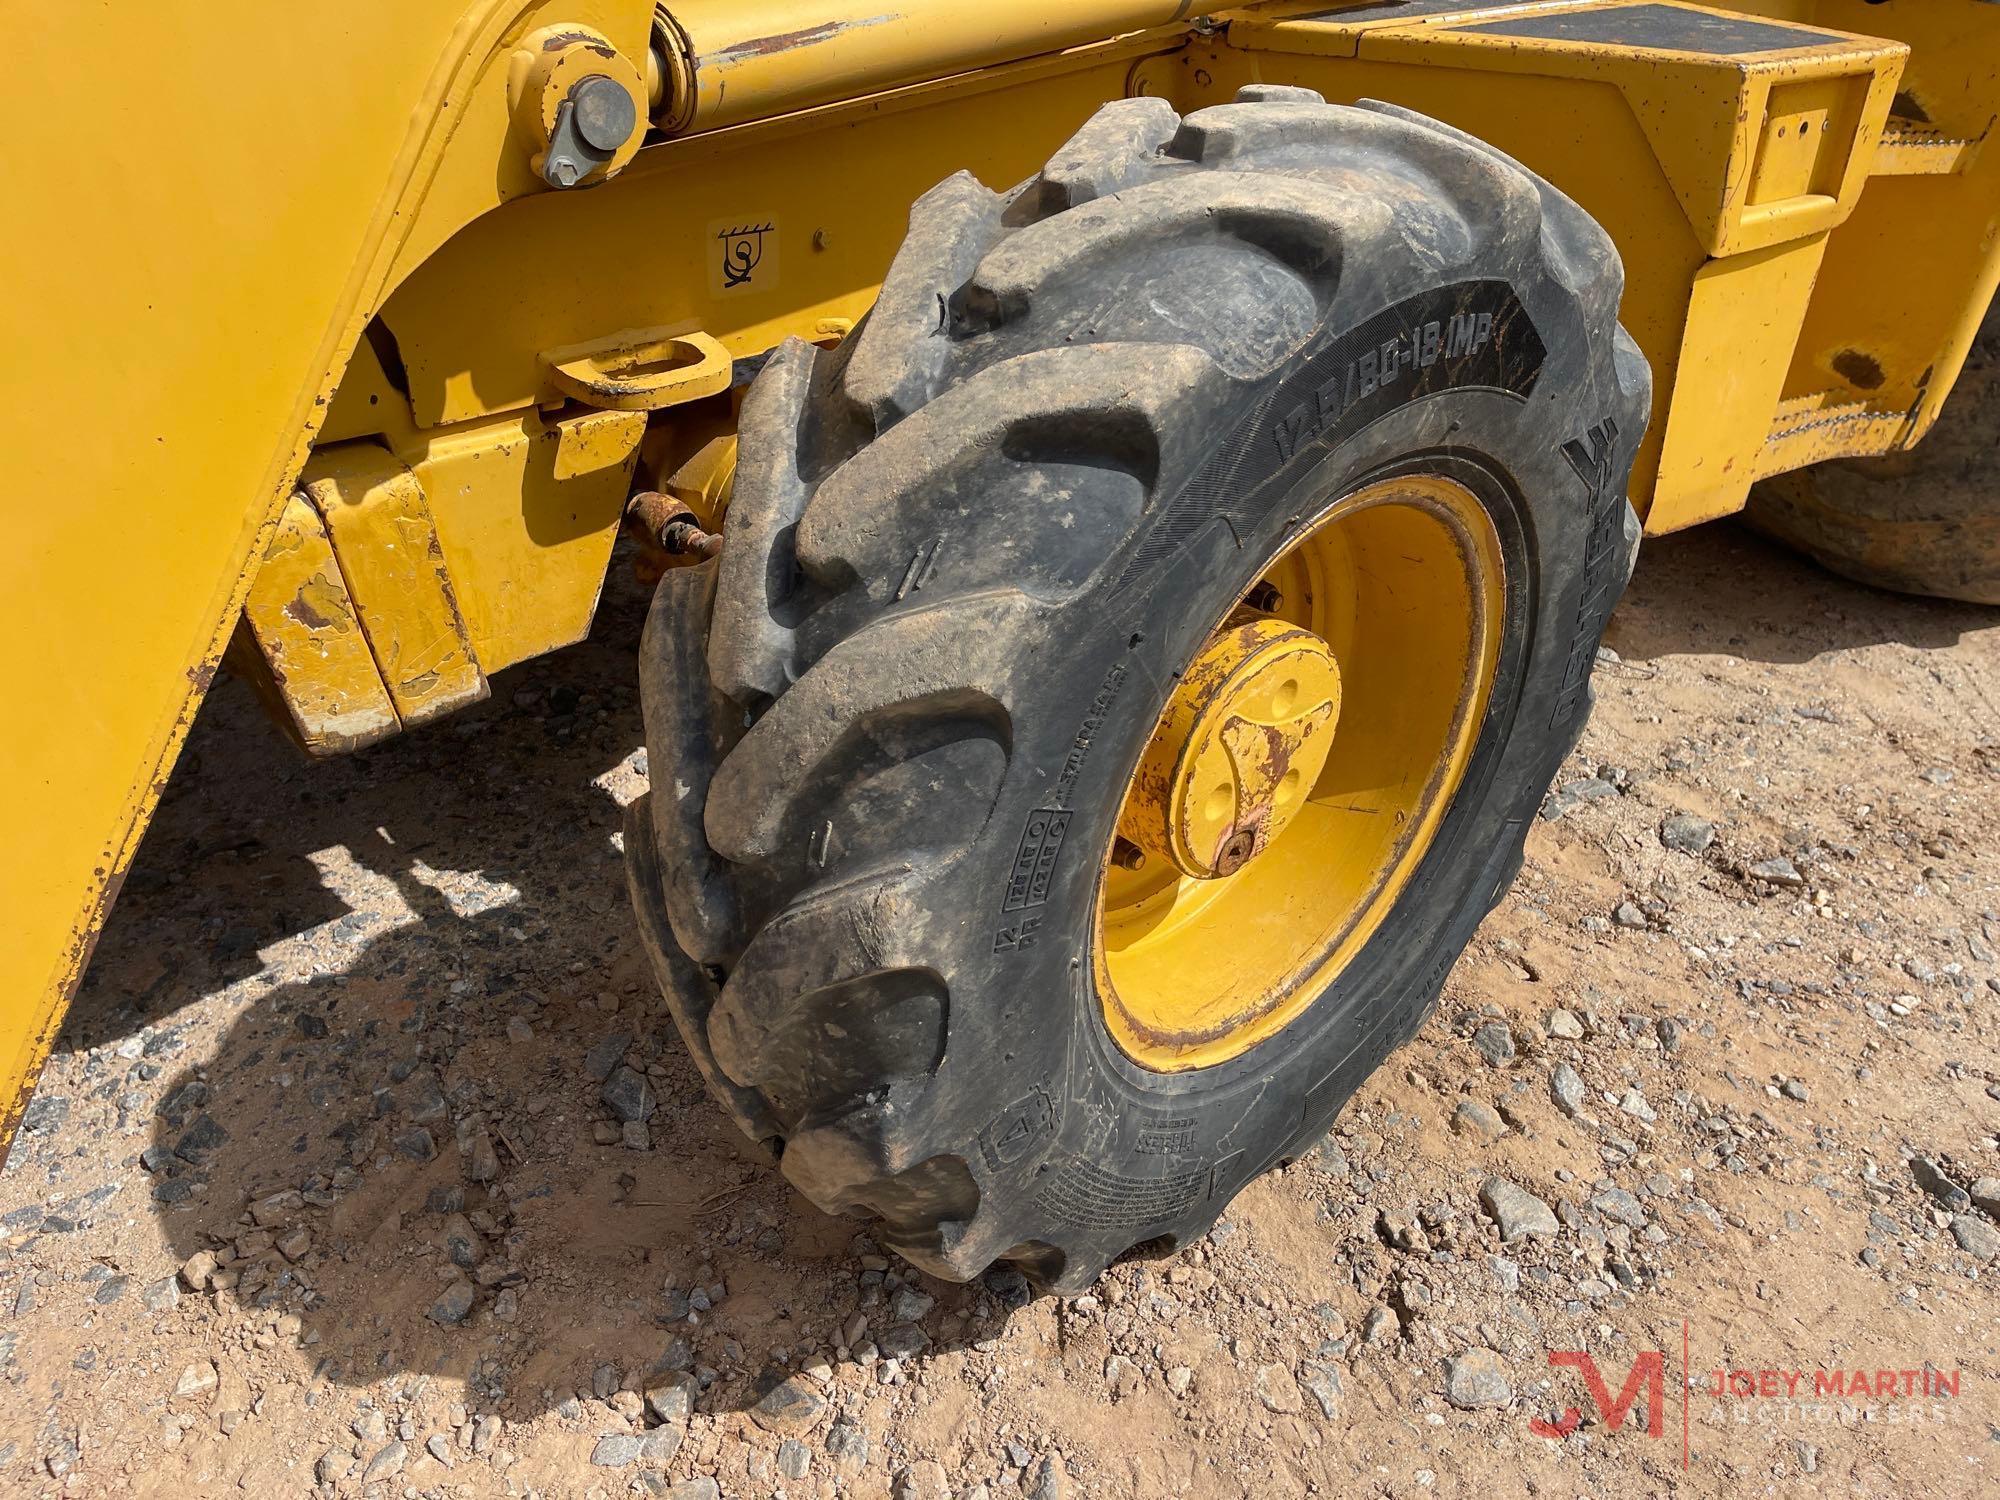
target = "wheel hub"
x: 1241, y: 743
x: 1299, y: 772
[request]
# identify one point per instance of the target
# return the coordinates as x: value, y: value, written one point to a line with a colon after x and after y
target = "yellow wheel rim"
x: 1299, y: 773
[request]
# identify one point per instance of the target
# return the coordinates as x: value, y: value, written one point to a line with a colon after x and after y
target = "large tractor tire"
x: 1133, y: 662
x: 1924, y: 521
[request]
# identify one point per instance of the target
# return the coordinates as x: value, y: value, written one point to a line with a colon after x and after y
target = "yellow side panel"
x: 527, y: 572
x: 201, y: 204
x: 1718, y: 172
x: 302, y: 621
x: 380, y: 523
x: 1743, y: 322
x: 831, y: 195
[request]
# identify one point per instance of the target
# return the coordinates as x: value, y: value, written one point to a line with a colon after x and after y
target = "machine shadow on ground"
x: 1725, y: 589
x: 438, y: 929
x: 446, y: 922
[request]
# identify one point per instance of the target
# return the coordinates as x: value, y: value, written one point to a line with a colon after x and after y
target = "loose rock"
x: 1277, y: 1389
x: 1686, y: 834
x: 1518, y: 1212
x: 1478, y: 1121
x: 389, y: 1461
x: 1495, y: 1043
x: 1476, y: 1379
x: 1779, y: 871
x: 628, y: 1095
x: 789, y: 1408
x: 1975, y: 1237
x: 1566, y: 1087
x: 1940, y: 1187
x: 455, y: 1305
x: 615, y: 1450
x: 196, y: 1379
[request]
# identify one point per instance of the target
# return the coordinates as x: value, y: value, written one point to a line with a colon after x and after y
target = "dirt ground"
x: 318, y: 1193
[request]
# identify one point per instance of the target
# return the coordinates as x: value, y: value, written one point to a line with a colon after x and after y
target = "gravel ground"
x: 368, y: 1163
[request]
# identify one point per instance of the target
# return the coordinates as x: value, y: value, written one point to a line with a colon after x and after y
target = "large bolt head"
x: 604, y: 114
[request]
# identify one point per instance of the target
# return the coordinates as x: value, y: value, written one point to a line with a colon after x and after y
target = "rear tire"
x: 1924, y: 521
x: 969, y: 554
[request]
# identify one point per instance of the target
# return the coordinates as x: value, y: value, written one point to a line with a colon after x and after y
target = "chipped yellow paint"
x: 1243, y: 739
x: 309, y: 645
x: 597, y: 442
x: 380, y: 524
x: 546, y: 65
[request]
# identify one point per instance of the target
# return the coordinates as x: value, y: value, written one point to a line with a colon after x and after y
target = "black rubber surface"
x: 969, y: 550
x: 1922, y: 521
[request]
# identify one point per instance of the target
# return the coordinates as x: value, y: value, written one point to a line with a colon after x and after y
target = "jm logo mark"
x: 742, y: 249
x: 1648, y: 1372
x: 1647, y: 1375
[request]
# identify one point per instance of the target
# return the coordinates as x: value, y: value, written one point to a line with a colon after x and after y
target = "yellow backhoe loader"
x: 1136, y: 488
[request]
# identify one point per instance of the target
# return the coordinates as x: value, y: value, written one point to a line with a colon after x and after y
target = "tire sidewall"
x: 1115, y: 1150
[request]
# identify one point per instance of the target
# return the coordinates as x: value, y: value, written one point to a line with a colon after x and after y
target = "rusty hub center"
x: 1237, y: 750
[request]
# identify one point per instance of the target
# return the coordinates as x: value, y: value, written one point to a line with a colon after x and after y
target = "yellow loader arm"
x: 206, y: 202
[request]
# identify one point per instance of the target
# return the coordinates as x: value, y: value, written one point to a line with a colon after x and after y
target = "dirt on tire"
x: 970, y: 551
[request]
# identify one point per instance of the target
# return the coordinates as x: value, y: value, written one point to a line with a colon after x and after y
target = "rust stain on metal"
x: 790, y: 41
x: 1859, y: 369
x: 665, y: 524
x: 301, y: 609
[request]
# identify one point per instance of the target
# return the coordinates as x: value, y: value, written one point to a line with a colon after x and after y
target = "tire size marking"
x: 1086, y: 734
x: 1594, y: 457
x: 1377, y: 369
x: 1472, y: 335
x: 1165, y: 1138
